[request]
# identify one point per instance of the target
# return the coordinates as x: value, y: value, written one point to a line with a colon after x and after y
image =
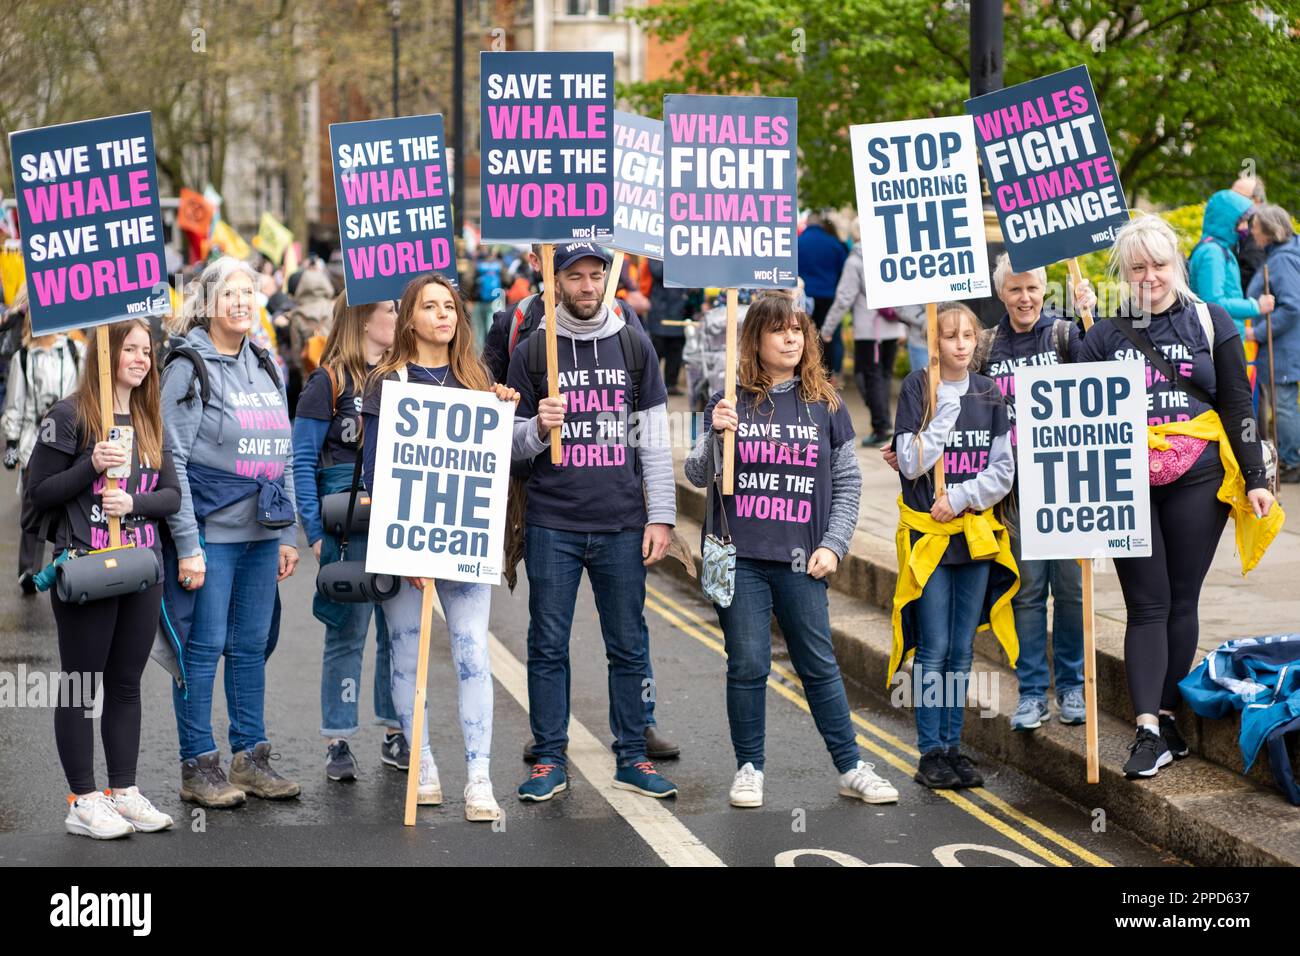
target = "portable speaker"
x: 334, y: 513
x: 106, y: 574
x: 348, y: 582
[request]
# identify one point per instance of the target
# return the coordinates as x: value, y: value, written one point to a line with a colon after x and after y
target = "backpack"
x: 191, y: 354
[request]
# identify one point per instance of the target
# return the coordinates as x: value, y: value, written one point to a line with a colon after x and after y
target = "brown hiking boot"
x: 251, y: 770
x: 203, y: 782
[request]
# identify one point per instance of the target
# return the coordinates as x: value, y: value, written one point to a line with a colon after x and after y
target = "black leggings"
x: 1161, y: 592
x: 873, y: 367
x: 111, y: 637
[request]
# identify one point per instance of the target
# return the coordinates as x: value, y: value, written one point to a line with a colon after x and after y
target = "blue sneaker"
x: 644, y: 779
x: 1073, y: 708
x: 1030, y: 714
x: 545, y: 781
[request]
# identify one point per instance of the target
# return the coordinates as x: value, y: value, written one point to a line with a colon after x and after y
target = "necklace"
x: 429, y: 372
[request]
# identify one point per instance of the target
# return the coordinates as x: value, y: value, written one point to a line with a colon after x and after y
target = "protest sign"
x: 638, y: 185
x: 732, y: 191
x: 92, y: 230
x: 394, y: 204
x: 442, y: 471
x: 919, y: 207
x: 1081, y: 443
x: 547, y: 173
x: 1049, y: 168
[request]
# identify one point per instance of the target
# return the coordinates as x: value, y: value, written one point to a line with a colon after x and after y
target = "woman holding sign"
x: 1206, y: 462
x: 793, y: 514
x: 434, y: 345
x: 111, y: 637
x: 228, y: 427
x: 326, y: 443
x: 956, y: 572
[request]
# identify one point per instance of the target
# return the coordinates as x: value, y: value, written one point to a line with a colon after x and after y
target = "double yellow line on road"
x: 787, y: 684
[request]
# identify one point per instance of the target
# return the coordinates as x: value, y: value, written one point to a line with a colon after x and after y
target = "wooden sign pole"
x: 1272, y: 389
x: 1089, y: 617
x: 106, y: 391
x: 611, y: 283
x: 417, y: 712
x: 729, y: 393
x: 932, y: 343
x: 552, y: 348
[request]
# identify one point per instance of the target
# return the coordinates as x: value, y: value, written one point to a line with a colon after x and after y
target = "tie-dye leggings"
x: 466, y: 607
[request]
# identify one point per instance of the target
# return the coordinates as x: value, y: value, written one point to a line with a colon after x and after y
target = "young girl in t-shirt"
x: 111, y: 637
x: 954, y: 555
x: 797, y: 485
x: 434, y: 345
x: 326, y: 444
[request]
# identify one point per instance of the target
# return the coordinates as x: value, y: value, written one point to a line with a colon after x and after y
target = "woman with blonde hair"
x: 1206, y: 462
x: 434, y: 346
x: 111, y: 637
x: 794, y: 435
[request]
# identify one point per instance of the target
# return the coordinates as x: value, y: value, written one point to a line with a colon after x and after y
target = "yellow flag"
x: 273, y: 237
x: 11, y: 272
x: 228, y: 241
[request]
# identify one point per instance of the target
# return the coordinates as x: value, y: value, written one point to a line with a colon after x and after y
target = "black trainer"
x: 340, y: 762
x: 1147, y: 754
x: 27, y: 583
x: 964, y: 768
x: 395, y: 751
x: 936, y: 772
x: 1173, y: 739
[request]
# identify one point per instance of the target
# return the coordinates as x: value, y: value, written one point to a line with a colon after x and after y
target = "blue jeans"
x: 804, y: 615
x: 467, y: 608
x: 918, y: 356
x: 1064, y: 578
x: 1288, y: 424
x: 948, y: 614
x: 232, y: 616
x: 555, y: 561
x: 342, y: 663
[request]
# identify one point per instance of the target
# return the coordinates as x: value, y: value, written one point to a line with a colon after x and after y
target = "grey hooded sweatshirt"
x: 244, y: 430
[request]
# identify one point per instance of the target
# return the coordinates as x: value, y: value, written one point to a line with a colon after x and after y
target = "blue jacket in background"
x: 1213, y: 271
x: 1283, y: 266
x: 1258, y: 676
x: 821, y: 260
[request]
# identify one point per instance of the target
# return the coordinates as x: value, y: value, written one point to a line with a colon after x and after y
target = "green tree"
x: 1193, y: 92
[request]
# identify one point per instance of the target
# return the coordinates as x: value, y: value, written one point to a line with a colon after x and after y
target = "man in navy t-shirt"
x: 607, y: 508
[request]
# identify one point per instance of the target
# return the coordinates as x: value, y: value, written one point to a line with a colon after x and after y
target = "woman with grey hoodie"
x: 227, y: 425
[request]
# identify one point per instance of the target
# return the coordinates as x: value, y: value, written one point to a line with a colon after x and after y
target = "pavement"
x: 1011, y: 821
x: 1203, y: 808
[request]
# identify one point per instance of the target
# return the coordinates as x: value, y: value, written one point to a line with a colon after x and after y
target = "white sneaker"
x: 480, y: 804
x: 862, y: 783
x: 94, y: 816
x: 747, y: 788
x: 135, y: 808
x: 430, y: 790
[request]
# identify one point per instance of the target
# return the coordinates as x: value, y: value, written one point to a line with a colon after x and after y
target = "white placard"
x: 920, y: 211
x: 442, y: 473
x: 1081, y: 433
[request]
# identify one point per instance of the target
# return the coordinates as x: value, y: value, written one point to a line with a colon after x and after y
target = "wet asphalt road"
x: 803, y: 821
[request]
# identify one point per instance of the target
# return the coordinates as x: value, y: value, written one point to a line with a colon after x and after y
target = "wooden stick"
x: 729, y: 392
x: 552, y: 347
x: 106, y: 414
x: 615, y: 272
x: 1076, y: 276
x: 417, y: 712
x: 1090, y: 673
x: 932, y: 343
x: 1272, y: 390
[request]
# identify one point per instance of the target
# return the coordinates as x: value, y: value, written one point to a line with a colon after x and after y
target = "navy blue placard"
x: 547, y: 170
x: 1049, y: 168
x: 731, y: 191
x: 394, y: 204
x: 638, y: 185
x: 92, y: 228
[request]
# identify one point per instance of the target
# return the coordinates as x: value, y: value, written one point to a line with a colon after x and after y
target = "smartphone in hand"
x: 123, y: 436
